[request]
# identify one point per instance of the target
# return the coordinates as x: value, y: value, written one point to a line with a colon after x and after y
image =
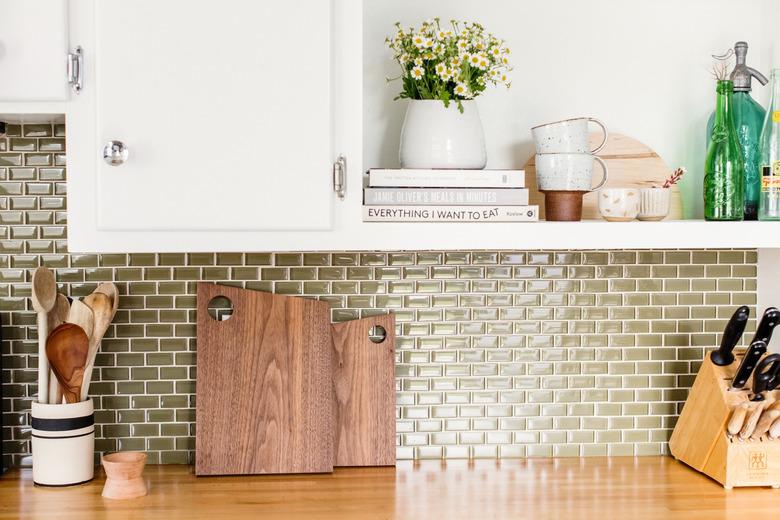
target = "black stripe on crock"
x: 63, y: 425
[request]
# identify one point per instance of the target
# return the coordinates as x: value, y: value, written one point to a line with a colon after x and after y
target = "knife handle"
x: 768, y: 322
x: 765, y: 422
x: 734, y: 328
x: 774, y: 430
x: 766, y: 373
x: 749, y: 362
x: 737, y: 418
x: 752, y: 420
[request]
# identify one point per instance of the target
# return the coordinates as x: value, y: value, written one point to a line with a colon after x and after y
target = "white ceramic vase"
x: 435, y: 136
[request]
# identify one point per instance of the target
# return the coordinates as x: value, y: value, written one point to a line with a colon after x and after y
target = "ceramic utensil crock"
x: 569, y: 136
x: 63, y: 443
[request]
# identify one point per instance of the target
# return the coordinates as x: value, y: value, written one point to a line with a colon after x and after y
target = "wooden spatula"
x: 80, y: 314
x: 67, y: 349
x: 102, y: 310
x: 56, y: 317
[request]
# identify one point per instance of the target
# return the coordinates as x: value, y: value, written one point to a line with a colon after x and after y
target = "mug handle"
x: 603, y: 129
x: 606, y: 174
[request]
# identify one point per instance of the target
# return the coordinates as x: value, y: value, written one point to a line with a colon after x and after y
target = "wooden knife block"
x: 700, y: 438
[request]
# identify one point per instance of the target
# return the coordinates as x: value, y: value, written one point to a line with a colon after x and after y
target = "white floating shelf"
x: 373, y: 236
x: 589, y: 234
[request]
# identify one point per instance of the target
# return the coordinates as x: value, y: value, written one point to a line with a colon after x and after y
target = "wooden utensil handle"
x: 737, y: 419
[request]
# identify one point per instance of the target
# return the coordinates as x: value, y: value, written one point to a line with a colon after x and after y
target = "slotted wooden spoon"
x: 67, y: 349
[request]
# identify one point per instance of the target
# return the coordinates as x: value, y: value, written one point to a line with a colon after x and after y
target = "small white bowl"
x: 619, y: 204
x: 654, y: 203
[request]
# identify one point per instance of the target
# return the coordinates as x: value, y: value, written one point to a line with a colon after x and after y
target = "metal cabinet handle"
x: 115, y: 153
x: 76, y: 69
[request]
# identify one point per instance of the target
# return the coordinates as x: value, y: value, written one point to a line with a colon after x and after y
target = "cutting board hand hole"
x: 377, y: 334
x: 220, y: 308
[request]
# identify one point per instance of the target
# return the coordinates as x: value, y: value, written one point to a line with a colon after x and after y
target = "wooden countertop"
x: 655, y: 488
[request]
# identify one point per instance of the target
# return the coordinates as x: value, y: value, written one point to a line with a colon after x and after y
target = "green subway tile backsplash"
x: 499, y: 353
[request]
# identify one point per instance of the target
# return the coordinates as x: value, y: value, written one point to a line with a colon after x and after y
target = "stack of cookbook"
x: 411, y: 195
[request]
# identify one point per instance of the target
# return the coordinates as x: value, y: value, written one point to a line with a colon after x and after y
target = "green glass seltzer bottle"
x: 724, y: 178
x: 748, y: 121
x: 769, y: 208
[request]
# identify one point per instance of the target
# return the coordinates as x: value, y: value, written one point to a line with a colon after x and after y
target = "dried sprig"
x: 675, y: 178
x: 722, y: 66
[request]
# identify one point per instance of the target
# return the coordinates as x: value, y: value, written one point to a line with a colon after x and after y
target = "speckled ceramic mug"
x: 569, y: 136
x: 568, y: 172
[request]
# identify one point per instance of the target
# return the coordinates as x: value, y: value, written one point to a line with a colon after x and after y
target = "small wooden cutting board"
x: 364, y: 390
x: 264, y: 399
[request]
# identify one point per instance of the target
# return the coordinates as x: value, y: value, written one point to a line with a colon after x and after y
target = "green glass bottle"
x: 748, y: 121
x: 770, y: 156
x: 724, y: 177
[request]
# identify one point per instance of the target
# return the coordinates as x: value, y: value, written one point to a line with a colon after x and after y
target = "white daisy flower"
x: 418, y: 62
x: 482, y: 62
x: 473, y: 60
x: 418, y: 72
x: 428, y: 43
x: 441, y: 68
x: 463, y: 45
x: 419, y: 41
x: 456, y: 61
x: 461, y: 90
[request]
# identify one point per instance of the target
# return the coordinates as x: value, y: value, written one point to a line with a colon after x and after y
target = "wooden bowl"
x: 124, y: 475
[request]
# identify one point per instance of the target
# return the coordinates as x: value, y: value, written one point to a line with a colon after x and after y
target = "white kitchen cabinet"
x: 33, y: 50
x: 232, y: 114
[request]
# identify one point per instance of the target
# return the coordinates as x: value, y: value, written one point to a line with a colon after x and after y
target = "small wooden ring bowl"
x: 124, y: 475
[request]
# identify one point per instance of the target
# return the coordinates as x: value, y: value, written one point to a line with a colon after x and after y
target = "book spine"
x: 441, y: 197
x: 446, y: 179
x: 450, y: 213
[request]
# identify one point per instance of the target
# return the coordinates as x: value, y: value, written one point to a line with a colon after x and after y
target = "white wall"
x: 640, y: 65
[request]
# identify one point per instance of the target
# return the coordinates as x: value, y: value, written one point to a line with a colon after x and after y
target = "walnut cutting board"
x: 631, y: 165
x: 364, y: 390
x: 264, y: 403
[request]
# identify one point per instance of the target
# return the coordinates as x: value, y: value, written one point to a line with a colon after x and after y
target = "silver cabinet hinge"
x: 340, y: 176
x: 76, y: 69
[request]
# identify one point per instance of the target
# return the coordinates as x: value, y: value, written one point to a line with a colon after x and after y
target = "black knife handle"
x: 734, y: 329
x: 749, y: 362
x: 764, y: 376
x: 768, y: 322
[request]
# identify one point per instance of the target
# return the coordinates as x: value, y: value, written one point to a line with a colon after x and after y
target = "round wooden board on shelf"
x: 631, y: 165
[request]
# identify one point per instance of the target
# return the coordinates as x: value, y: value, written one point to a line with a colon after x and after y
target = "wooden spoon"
x: 102, y: 310
x: 67, y: 349
x: 110, y: 290
x: 44, y: 295
x: 59, y: 313
x: 80, y: 314
x: 56, y: 317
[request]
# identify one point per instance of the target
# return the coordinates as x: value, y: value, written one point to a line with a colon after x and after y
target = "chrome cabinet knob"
x: 115, y: 153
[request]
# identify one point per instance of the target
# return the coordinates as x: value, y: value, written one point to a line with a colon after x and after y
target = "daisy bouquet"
x: 453, y: 63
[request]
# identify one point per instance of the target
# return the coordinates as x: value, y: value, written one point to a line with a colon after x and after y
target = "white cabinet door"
x: 225, y: 109
x: 33, y: 50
